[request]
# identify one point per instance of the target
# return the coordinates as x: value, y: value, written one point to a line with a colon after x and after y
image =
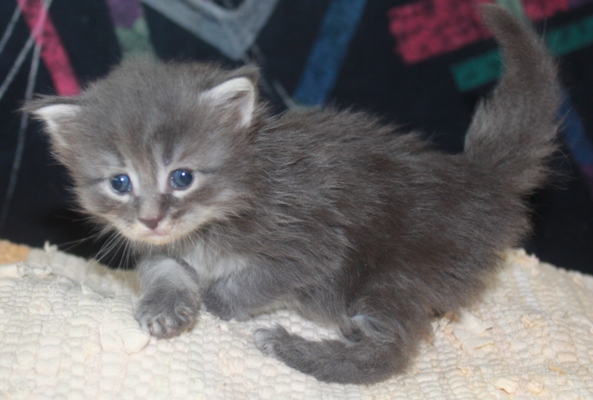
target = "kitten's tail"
x: 513, y: 133
x: 335, y: 361
x: 378, y: 341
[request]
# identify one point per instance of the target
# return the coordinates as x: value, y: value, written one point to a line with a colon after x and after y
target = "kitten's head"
x: 157, y: 151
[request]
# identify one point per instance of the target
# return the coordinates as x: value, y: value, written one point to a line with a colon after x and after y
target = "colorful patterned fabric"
x: 422, y: 64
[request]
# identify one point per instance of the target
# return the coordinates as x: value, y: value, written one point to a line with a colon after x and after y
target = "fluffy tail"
x: 513, y: 133
x: 377, y: 342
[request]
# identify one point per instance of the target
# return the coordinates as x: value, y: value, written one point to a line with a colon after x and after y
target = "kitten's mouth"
x: 159, y: 236
x: 156, y: 237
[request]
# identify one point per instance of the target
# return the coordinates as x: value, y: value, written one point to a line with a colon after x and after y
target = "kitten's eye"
x: 181, y: 178
x: 121, y: 183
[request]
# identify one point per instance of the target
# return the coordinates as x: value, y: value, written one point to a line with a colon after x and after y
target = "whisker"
x: 67, y: 246
x: 108, y: 247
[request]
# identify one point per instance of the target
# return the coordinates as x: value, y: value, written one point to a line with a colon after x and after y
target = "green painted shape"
x: 486, y: 68
x: 135, y: 40
x: 570, y: 37
x: 514, y: 7
x: 477, y: 71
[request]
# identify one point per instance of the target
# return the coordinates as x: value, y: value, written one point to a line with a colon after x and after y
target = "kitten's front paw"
x: 165, y: 314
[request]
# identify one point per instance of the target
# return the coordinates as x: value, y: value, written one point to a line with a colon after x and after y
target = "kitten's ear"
x: 55, y: 116
x: 235, y: 98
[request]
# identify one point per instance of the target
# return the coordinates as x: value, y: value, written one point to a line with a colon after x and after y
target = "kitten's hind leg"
x: 377, y: 347
x: 170, y: 302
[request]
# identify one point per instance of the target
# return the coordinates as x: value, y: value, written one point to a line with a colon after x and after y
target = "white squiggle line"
x: 10, y: 27
x: 22, y: 133
x: 203, y: 19
x: 16, y: 66
x: 25, y: 50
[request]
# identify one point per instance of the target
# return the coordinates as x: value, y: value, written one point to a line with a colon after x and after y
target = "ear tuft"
x: 54, y: 116
x: 236, y: 97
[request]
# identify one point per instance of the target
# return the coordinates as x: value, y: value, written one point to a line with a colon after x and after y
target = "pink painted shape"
x: 541, y: 9
x: 431, y: 27
x: 428, y: 28
x: 53, y: 53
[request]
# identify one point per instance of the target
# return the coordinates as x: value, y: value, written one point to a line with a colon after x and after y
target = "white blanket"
x: 67, y: 331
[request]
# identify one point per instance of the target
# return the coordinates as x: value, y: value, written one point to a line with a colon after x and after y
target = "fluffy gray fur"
x: 328, y: 213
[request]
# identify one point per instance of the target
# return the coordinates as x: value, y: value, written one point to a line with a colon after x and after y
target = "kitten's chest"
x: 212, y: 263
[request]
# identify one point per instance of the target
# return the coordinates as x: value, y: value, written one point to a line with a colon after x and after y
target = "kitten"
x: 325, y: 212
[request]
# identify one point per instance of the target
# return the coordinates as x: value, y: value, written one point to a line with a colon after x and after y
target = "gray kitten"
x: 325, y: 212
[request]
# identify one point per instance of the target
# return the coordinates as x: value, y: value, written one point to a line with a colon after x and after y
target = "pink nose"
x: 151, y: 223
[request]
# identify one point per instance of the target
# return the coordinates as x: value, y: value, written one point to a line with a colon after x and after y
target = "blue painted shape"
x: 574, y: 134
x: 329, y: 50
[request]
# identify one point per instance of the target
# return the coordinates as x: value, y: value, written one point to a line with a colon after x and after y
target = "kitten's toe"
x: 267, y: 340
x: 165, y: 316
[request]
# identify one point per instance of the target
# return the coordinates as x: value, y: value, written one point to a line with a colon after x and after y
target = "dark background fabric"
x: 348, y: 53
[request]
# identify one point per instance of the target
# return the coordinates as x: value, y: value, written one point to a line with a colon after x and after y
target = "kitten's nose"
x: 151, y: 223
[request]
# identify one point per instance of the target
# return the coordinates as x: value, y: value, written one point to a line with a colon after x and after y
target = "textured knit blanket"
x: 67, y: 331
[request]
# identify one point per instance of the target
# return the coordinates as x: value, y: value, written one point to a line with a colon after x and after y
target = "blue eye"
x: 181, y: 178
x: 121, y: 183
